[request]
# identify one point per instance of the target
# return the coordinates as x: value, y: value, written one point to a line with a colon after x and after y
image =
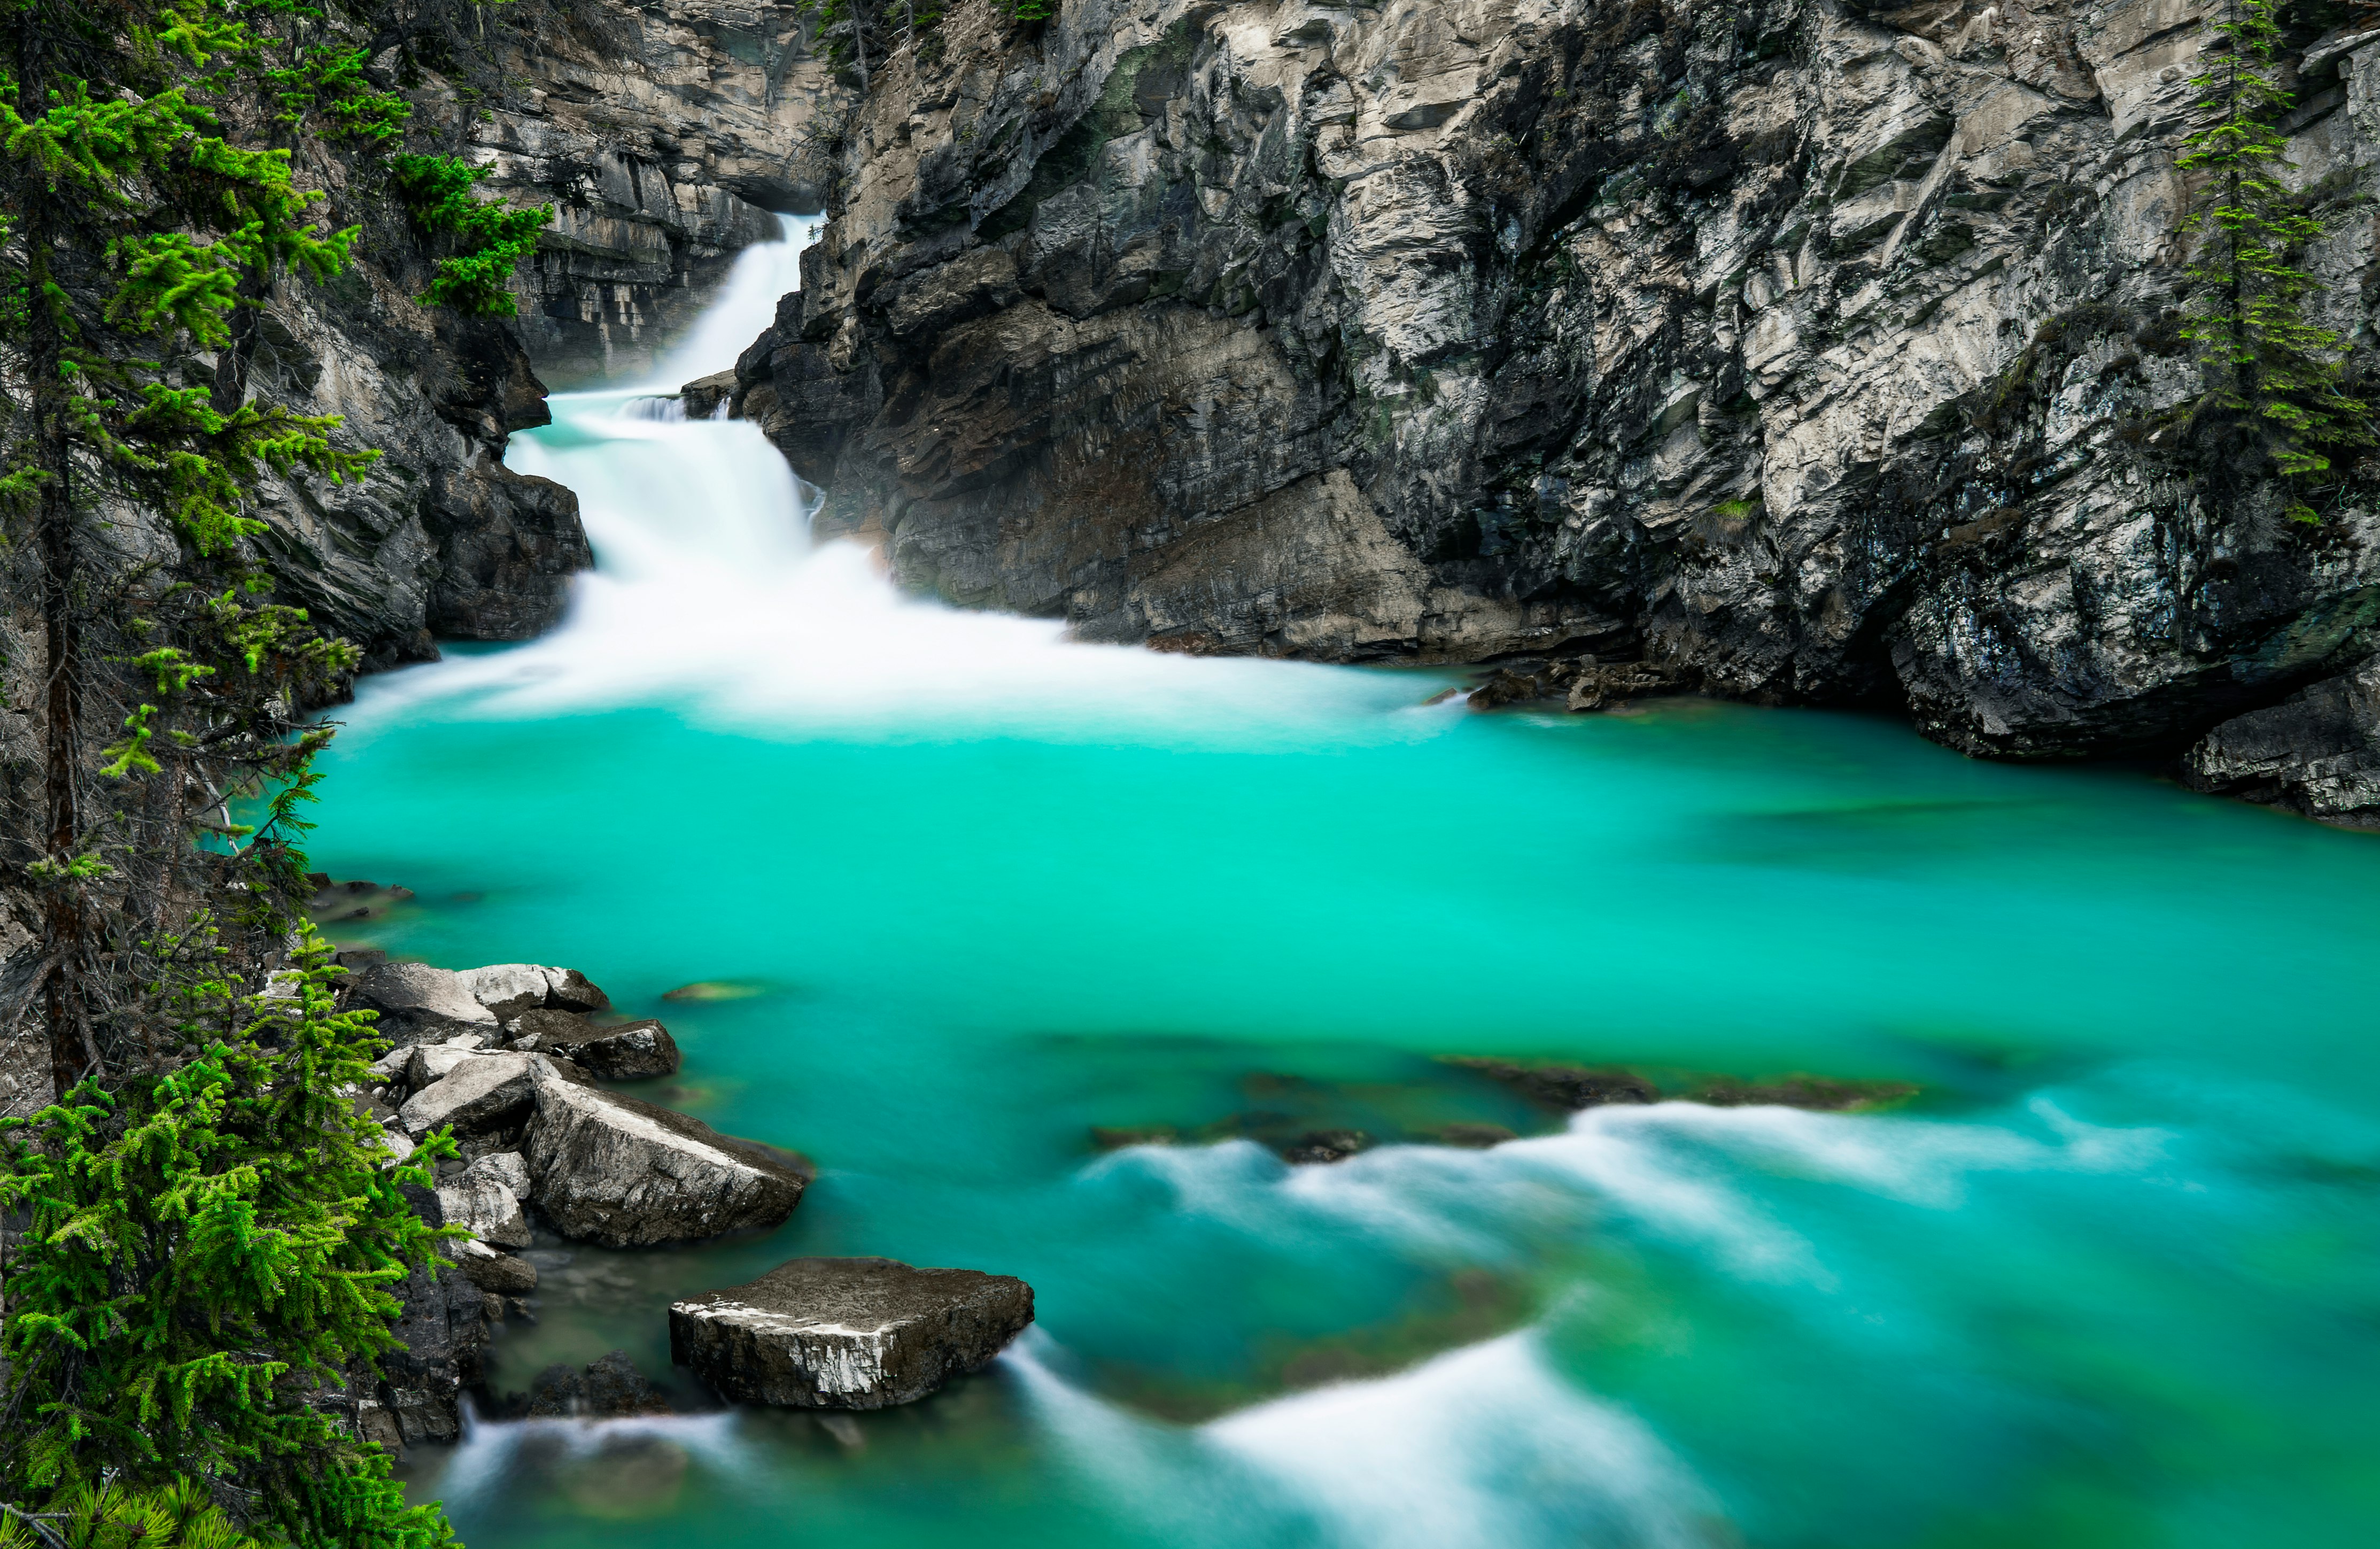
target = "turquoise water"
x: 2113, y: 1279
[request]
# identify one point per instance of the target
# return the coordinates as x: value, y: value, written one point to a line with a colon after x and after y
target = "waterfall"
x: 709, y: 599
x: 746, y: 305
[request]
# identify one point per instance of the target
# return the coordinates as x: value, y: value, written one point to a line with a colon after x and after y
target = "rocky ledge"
x: 847, y: 1334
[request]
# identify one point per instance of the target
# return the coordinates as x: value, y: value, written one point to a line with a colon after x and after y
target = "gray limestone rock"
x: 847, y: 1334
x: 484, y: 1092
x: 425, y: 1063
x: 508, y: 989
x: 419, y: 1004
x: 507, y: 1167
x: 612, y: 1170
x: 481, y: 1200
x: 441, y: 1330
x: 2316, y: 752
x: 632, y: 1051
x: 495, y: 1272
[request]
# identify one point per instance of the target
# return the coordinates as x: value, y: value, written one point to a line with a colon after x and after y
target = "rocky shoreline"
x: 505, y: 1059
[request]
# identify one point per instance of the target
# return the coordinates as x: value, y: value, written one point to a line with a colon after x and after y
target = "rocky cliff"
x: 663, y: 135
x: 1798, y: 350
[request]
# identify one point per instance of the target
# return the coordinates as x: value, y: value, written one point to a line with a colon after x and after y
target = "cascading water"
x: 2110, y: 1281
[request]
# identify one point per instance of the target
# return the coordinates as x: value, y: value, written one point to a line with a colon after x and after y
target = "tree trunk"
x: 66, y: 913
x: 859, y: 41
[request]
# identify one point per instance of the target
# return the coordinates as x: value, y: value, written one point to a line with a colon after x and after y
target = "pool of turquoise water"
x: 2113, y: 1278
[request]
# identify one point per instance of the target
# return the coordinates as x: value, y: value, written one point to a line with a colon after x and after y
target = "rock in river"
x: 631, y: 1052
x: 847, y: 1334
x: 612, y: 1170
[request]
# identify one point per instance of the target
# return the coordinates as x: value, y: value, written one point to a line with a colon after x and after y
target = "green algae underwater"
x: 2112, y: 1278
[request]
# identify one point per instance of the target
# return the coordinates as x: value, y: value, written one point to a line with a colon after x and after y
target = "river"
x: 965, y: 890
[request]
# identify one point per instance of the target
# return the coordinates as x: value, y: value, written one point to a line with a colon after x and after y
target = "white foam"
x: 482, y: 1463
x: 747, y: 304
x: 1681, y: 1172
x: 1484, y: 1447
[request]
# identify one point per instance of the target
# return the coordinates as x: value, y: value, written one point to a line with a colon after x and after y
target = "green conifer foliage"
x: 489, y: 238
x: 210, y: 1256
x: 2271, y: 371
x: 209, y: 1232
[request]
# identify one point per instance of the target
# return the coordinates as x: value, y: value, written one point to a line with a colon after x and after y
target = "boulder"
x: 847, y: 1334
x: 425, y: 1063
x: 507, y: 1167
x: 496, y: 1273
x: 484, y: 1092
x: 419, y: 1004
x: 507, y: 989
x: 535, y: 1028
x: 634, y: 1052
x: 480, y: 1200
x: 612, y: 1170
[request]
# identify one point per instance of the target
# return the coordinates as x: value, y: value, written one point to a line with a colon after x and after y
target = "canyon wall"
x: 664, y: 136
x: 1798, y: 350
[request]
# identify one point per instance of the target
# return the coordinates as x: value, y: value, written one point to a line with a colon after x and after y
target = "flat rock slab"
x: 613, y: 1170
x: 847, y: 1334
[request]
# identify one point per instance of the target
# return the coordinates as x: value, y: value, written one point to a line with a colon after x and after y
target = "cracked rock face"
x: 626, y: 1173
x: 847, y: 1334
x: 2316, y: 752
x: 1800, y: 352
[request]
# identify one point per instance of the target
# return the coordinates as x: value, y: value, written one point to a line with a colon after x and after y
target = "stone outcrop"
x: 1798, y: 351
x: 2316, y: 752
x: 664, y: 134
x: 847, y: 1334
x: 610, y: 1169
x: 481, y: 1092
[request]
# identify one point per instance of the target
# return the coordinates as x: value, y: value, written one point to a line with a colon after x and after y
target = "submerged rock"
x: 1470, y: 1137
x: 1566, y: 1086
x: 1325, y: 1145
x: 1576, y: 1088
x: 607, y: 1388
x: 624, y: 1173
x: 635, y: 1051
x: 847, y: 1334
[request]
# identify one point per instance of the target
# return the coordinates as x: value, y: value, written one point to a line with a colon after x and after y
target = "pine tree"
x: 2272, y: 374
x: 208, y: 1233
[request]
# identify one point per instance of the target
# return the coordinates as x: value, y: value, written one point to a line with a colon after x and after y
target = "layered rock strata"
x: 1798, y: 351
x: 667, y: 135
x: 847, y: 1334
